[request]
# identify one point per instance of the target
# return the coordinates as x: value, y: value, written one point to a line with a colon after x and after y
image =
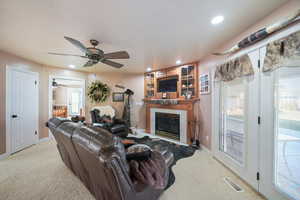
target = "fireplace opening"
x: 167, y: 125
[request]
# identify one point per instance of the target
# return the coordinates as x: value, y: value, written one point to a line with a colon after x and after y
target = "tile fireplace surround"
x: 185, y: 108
x: 183, y: 121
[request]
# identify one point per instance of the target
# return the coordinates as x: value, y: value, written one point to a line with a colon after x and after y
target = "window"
x: 75, y: 101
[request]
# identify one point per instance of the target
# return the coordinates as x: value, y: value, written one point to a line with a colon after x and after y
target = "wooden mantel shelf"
x: 180, y: 101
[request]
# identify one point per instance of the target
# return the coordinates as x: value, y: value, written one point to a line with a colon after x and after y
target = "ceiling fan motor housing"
x: 97, y: 54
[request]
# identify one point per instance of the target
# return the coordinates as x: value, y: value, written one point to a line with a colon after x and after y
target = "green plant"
x: 98, y: 92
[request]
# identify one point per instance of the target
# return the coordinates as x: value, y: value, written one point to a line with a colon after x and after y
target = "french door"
x: 280, y: 134
x: 236, y: 123
x: 257, y: 123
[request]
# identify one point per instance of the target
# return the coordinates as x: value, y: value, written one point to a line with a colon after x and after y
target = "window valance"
x: 283, y: 53
x: 235, y: 68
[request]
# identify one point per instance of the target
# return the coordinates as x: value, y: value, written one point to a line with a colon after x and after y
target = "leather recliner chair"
x: 98, y: 158
x: 115, y: 126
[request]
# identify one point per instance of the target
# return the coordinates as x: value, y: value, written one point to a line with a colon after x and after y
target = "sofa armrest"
x: 99, y: 125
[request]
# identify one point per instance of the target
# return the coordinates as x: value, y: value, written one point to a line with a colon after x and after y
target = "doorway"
x: 66, y: 97
x: 22, y: 94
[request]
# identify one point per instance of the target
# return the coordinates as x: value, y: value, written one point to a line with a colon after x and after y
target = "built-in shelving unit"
x: 188, y: 82
x: 187, y: 85
x: 149, y: 85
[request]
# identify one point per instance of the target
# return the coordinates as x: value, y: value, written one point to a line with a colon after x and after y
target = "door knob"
x: 14, y: 116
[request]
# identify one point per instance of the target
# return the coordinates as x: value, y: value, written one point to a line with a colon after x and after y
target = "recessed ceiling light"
x: 178, y: 62
x: 72, y: 66
x: 149, y: 69
x: 217, y: 20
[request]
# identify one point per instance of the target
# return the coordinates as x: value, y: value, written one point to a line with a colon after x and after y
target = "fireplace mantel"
x: 183, y: 104
x: 180, y: 101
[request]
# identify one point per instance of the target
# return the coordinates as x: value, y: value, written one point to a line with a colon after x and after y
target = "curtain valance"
x: 284, y: 52
x: 235, y: 68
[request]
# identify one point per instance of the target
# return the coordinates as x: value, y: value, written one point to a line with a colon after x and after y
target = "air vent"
x: 234, y: 186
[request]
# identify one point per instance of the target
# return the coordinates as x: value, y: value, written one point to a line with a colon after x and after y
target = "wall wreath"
x: 98, y: 92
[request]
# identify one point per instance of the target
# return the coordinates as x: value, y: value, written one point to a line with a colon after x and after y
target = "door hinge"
x: 257, y: 176
x: 35, y: 132
x: 258, y: 120
x: 258, y: 64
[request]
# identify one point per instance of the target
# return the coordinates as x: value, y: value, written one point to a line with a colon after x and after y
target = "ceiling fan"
x: 95, y: 55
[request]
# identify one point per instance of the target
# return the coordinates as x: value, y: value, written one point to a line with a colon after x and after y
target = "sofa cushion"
x: 90, y: 146
x: 66, y: 131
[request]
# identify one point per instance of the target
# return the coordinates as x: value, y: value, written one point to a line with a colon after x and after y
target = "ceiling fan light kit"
x: 95, y: 55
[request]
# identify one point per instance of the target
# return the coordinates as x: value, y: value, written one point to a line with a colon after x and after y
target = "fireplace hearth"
x: 167, y: 125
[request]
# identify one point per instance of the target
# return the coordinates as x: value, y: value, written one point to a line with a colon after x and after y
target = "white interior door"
x: 23, y: 90
x: 280, y: 134
x: 236, y: 124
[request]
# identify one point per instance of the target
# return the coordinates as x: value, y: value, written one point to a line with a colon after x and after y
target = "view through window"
x: 287, y: 126
x: 233, y: 122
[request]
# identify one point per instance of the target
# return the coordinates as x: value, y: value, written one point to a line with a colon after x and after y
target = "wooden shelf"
x: 186, y: 74
x: 180, y: 101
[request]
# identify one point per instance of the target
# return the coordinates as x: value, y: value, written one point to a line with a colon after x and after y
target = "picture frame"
x: 204, y: 80
x: 118, y: 96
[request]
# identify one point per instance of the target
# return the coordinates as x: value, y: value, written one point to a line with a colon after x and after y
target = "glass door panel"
x: 280, y: 134
x: 232, y: 133
x: 287, y: 132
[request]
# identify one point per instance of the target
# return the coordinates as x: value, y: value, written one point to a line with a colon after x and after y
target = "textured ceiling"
x: 155, y: 33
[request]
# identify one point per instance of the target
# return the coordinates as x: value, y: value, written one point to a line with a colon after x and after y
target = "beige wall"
x: 2, y: 110
x: 205, y: 112
x: 61, y: 96
x: 44, y: 72
x: 208, y: 64
x: 135, y: 82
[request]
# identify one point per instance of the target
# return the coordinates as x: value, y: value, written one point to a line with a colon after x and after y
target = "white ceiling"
x: 155, y: 32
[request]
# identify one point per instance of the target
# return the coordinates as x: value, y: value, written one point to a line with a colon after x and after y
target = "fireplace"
x: 167, y: 125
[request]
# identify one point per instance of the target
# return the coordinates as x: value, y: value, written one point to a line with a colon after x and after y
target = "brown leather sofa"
x: 98, y: 159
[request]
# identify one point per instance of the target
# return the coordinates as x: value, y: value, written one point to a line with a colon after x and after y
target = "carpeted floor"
x: 38, y: 173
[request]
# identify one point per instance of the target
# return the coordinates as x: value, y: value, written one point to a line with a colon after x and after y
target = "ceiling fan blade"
x: 90, y: 63
x: 78, y: 45
x: 117, y: 55
x: 64, y: 54
x: 113, y: 64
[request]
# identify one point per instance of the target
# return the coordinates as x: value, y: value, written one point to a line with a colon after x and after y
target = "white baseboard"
x: 4, y: 156
x: 205, y: 149
x: 44, y: 140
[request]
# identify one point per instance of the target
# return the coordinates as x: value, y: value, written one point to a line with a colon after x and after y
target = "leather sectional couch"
x: 98, y: 159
